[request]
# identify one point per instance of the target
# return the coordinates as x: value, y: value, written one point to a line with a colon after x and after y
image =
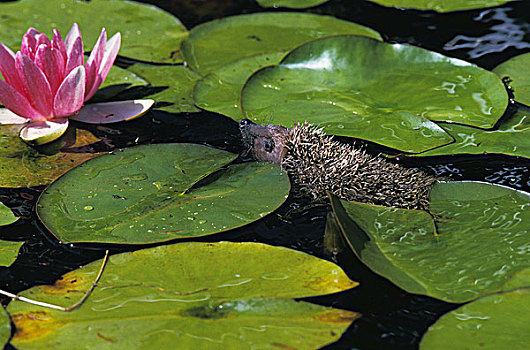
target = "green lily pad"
x: 137, y: 23
x: 5, y: 327
x: 518, y: 70
x: 460, y: 256
x: 8, y: 255
x: 389, y: 94
x: 498, y: 321
x: 190, y: 296
x: 153, y: 193
x: 294, y: 4
x: 211, y: 45
x: 175, y: 84
x: 220, y: 90
x: 6, y: 215
x: 22, y: 165
x: 510, y: 137
x: 117, y: 82
x: 441, y: 5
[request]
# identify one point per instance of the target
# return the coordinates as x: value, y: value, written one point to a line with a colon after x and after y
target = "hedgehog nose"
x: 245, y: 122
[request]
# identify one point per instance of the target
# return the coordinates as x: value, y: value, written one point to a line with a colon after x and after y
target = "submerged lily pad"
x: 295, y: 4
x: 510, y: 137
x: 6, y: 215
x: 517, y: 69
x: 460, y: 256
x: 153, y: 193
x: 441, y: 5
x: 172, y: 86
x: 220, y: 90
x: 22, y: 165
x: 498, y: 321
x: 197, y: 295
x: 360, y: 87
x: 213, y: 44
x: 137, y: 23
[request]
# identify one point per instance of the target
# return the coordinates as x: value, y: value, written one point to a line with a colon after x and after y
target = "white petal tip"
x: 42, y: 132
x: 112, y: 112
x: 8, y: 117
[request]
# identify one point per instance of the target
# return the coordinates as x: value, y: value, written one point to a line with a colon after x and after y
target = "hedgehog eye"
x: 268, y: 144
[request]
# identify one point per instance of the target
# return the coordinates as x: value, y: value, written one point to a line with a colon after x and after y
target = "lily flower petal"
x: 49, y: 61
x: 28, y: 45
x: 8, y: 70
x: 36, y: 86
x: 71, y: 37
x: 17, y: 103
x: 42, y: 39
x: 75, y: 56
x: 93, y: 63
x: 109, y: 56
x: 58, y: 43
x: 70, y: 95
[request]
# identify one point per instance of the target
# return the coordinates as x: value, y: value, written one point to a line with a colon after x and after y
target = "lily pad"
x: 460, y: 256
x: 6, y: 215
x: 213, y: 44
x: 385, y: 93
x: 518, y: 70
x: 498, y: 321
x: 220, y: 90
x: 117, y: 82
x: 112, y: 112
x: 441, y: 5
x: 5, y: 327
x: 294, y: 4
x: 153, y: 193
x: 137, y: 23
x: 510, y: 137
x: 197, y: 295
x: 172, y: 86
x: 8, y: 255
x: 22, y: 165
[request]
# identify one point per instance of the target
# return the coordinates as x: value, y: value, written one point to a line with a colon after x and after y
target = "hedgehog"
x: 316, y: 164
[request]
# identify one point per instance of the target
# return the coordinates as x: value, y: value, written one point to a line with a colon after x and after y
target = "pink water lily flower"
x: 48, y: 81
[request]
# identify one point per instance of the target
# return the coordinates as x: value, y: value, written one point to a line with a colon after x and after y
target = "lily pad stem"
x: 61, y: 308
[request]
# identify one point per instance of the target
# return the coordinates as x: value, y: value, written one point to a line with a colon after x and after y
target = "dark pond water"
x: 392, y: 318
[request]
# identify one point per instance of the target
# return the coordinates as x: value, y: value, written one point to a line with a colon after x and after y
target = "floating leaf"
x: 197, y: 295
x: 22, y: 165
x: 137, y: 23
x: 479, y: 228
x: 8, y: 255
x: 152, y: 193
x: 220, y: 90
x: 173, y: 86
x: 6, y: 215
x: 510, y: 137
x: 213, y: 44
x: 517, y: 69
x: 498, y: 321
x: 5, y: 327
x: 117, y: 82
x: 441, y: 5
x: 295, y: 4
x: 112, y: 112
x: 360, y: 87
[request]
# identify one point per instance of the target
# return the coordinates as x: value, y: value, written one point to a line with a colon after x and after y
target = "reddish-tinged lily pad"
x: 190, y: 296
x: 22, y: 165
x: 112, y: 112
